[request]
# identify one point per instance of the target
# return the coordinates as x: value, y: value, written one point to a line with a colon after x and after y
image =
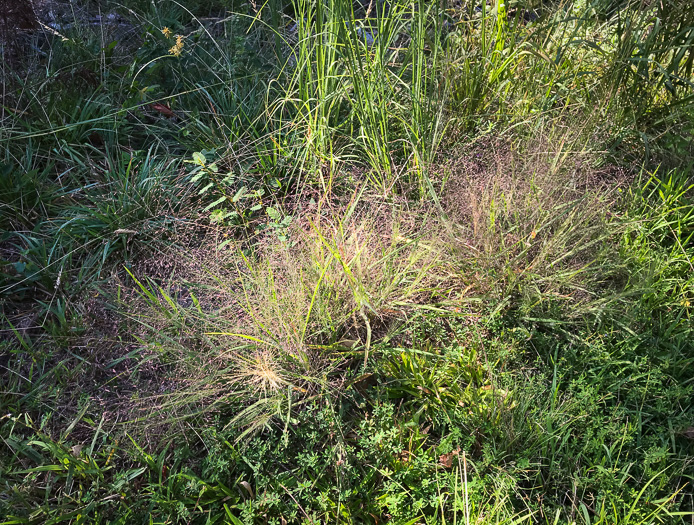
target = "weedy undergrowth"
x: 361, y: 262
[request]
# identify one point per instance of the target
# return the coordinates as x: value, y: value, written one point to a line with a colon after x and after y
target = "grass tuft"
x: 347, y: 262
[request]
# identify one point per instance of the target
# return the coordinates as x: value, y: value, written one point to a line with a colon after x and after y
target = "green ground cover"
x: 323, y: 262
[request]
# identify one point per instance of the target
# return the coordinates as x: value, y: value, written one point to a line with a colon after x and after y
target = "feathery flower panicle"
x: 177, y: 47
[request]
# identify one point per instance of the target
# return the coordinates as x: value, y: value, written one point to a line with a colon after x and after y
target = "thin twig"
x: 368, y: 335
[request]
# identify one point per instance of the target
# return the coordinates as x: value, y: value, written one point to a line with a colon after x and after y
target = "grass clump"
x: 351, y: 262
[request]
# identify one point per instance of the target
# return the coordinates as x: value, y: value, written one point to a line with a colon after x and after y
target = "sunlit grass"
x: 324, y: 262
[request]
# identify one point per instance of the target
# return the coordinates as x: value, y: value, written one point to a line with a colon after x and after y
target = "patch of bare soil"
x: 16, y: 15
